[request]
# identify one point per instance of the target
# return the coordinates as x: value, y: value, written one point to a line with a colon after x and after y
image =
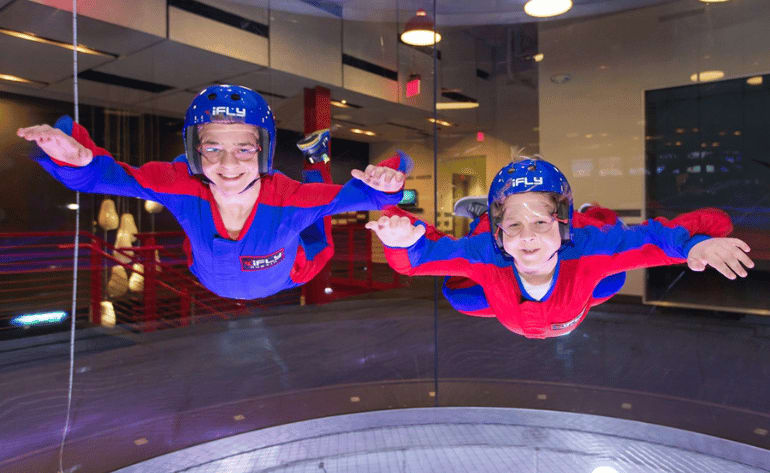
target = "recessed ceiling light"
x: 439, y: 122
x: 456, y: 105
x: 714, y: 1
x: 707, y: 76
x: 12, y: 78
x: 359, y: 131
x: 343, y: 104
x: 538, y: 57
x: 547, y: 8
x: 756, y: 80
x: 40, y: 39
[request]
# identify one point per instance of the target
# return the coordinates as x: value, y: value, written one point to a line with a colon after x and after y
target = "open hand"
x: 396, y: 231
x: 723, y: 254
x: 381, y: 178
x: 57, y: 144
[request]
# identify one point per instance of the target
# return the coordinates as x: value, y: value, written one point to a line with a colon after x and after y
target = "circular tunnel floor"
x: 464, y: 439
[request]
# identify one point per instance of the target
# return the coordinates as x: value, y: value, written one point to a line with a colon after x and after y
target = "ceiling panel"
x: 172, y: 104
x: 176, y: 65
x: 102, y: 94
x: 274, y: 82
x: 41, y: 62
x: 56, y: 24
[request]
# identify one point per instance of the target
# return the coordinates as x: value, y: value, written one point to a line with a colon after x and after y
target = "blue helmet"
x: 531, y: 175
x: 229, y: 104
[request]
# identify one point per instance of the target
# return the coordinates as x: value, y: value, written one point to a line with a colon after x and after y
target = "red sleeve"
x: 709, y: 221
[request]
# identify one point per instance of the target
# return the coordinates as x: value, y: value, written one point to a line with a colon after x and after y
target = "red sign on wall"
x: 413, y: 86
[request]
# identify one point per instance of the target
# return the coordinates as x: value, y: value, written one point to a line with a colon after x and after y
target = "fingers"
x: 721, y: 260
x: 727, y: 260
x: 397, y: 222
x: 40, y: 133
x: 744, y: 258
x: 378, y: 225
x: 376, y: 174
x: 396, y: 231
x: 739, y: 243
x: 726, y: 255
x: 696, y: 264
x: 380, y: 177
x: 731, y: 253
x: 722, y: 267
x: 419, y: 231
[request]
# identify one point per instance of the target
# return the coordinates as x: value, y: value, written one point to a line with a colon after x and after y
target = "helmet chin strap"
x: 251, y: 184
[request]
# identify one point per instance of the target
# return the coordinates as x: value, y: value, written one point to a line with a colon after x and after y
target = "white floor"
x: 449, y: 440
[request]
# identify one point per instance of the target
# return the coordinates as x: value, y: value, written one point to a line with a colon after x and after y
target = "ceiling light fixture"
x: 12, y: 78
x: 456, y: 105
x: 359, y: 131
x: 714, y: 1
x: 439, y: 122
x: 342, y: 103
x: 547, y: 8
x: 707, y: 76
x: 420, y: 30
x: 756, y: 80
x: 538, y: 57
x: 39, y: 39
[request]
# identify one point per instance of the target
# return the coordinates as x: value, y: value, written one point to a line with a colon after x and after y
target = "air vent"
x: 457, y: 96
x: 121, y: 81
x: 221, y: 16
x: 369, y: 67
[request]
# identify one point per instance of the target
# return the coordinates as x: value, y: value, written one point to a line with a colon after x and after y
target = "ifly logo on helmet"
x: 229, y: 111
x: 537, y: 181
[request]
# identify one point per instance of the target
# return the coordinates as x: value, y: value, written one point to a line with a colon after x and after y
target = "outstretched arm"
x: 414, y: 250
x: 54, y: 142
x: 372, y: 189
x: 67, y: 152
x: 695, y: 237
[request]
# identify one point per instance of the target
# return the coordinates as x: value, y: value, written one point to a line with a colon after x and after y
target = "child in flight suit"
x: 251, y: 231
x: 538, y: 268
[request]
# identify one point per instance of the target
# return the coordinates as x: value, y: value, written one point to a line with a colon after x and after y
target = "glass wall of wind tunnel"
x: 161, y: 361
x: 650, y: 112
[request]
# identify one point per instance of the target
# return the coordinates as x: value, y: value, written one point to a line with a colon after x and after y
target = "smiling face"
x: 530, y: 232
x: 229, y: 155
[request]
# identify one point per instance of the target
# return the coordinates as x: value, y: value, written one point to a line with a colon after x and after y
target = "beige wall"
x: 592, y: 126
x: 513, y: 118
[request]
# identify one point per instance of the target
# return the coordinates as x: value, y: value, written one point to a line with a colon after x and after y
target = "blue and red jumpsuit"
x: 484, y: 282
x: 285, y: 241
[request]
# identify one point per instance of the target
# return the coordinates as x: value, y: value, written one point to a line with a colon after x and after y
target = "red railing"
x: 36, y: 275
x: 352, y: 265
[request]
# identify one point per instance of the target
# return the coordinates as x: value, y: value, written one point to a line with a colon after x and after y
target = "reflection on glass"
x: 162, y: 364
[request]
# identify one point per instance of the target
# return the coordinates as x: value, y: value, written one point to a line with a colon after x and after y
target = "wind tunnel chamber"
x: 649, y: 108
